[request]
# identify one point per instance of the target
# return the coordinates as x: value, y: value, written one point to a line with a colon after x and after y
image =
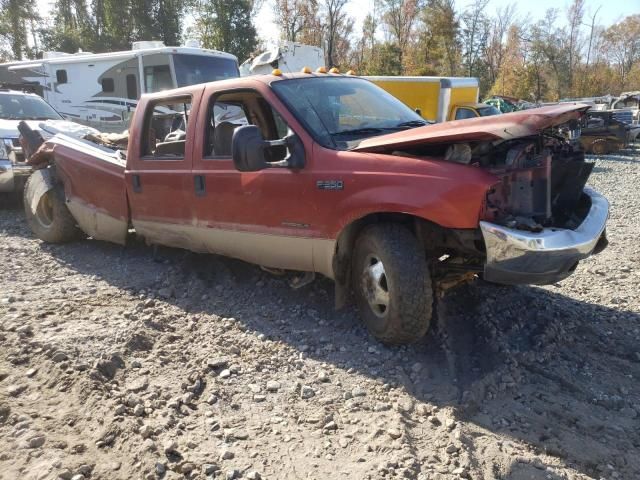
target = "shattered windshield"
x: 26, y: 107
x: 340, y: 112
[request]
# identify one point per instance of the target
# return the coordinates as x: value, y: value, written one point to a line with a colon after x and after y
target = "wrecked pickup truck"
x: 329, y: 174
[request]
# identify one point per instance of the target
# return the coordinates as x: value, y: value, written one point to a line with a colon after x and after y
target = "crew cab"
x: 330, y: 174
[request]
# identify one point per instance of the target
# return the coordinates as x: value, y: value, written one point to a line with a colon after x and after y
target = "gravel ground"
x: 125, y: 364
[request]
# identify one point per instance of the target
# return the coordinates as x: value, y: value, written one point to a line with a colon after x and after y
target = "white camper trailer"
x: 101, y: 90
x: 288, y: 56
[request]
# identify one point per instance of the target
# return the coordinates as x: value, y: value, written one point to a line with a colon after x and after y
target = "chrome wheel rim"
x: 375, y: 286
x: 44, y: 212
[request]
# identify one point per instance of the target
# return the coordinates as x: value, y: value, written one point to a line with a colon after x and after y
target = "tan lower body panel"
x: 98, y: 224
x: 273, y: 251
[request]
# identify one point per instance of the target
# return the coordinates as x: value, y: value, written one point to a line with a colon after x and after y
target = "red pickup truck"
x: 329, y: 174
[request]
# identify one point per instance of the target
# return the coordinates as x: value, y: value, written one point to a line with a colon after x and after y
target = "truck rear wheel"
x: 50, y: 220
x: 392, y: 283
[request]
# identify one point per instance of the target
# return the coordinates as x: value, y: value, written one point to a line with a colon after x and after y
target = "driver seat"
x: 222, y: 137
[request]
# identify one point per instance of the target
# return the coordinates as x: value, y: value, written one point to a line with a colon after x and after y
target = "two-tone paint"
x: 279, y: 217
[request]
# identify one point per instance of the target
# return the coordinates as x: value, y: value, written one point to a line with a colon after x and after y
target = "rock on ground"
x: 135, y: 366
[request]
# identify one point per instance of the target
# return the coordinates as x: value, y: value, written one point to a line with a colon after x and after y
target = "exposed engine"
x: 542, y: 183
x: 542, y: 178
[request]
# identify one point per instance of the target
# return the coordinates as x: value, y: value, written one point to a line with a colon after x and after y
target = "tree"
x: 475, y: 34
x: 575, y: 14
x: 387, y: 61
x: 16, y: 21
x: 400, y: 16
x: 338, y: 26
x: 622, y: 43
x: 439, y: 49
x: 495, y: 50
x: 226, y: 26
x: 296, y: 18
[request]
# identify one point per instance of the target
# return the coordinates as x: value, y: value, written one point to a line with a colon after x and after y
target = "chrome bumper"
x: 12, y: 177
x: 521, y: 257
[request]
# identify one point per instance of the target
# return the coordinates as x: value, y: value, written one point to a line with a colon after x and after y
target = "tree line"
x: 567, y: 53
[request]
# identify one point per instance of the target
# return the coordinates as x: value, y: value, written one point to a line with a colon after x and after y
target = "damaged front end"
x: 539, y: 219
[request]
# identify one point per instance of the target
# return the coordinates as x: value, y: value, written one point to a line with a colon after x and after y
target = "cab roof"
x: 243, y: 82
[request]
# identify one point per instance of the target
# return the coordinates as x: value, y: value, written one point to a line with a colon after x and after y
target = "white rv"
x: 288, y: 56
x: 101, y: 90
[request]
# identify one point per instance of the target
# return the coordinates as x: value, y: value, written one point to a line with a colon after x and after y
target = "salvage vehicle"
x: 472, y: 110
x: 17, y: 106
x: 604, y: 133
x: 329, y: 174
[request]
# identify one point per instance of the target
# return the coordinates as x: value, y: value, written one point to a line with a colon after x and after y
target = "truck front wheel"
x: 49, y: 219
x: 392, y: 283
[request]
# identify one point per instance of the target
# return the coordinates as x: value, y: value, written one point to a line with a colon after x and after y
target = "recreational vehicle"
x: 102, y: 90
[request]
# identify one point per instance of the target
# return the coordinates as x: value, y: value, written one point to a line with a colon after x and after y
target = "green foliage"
x: 16, y: 20
x: 565, y: 54
x: 111, y: 25
x: 386, y: 61
x: 227, y: 26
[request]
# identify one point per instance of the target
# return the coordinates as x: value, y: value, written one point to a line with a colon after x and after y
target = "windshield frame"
x: 332, y: 144
x: 32, y: 98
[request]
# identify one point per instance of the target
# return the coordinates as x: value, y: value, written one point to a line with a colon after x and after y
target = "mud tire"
x: 408, y: 313
x: 51, y: 220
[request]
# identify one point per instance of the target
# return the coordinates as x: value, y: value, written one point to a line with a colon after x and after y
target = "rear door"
x: 159, y: 179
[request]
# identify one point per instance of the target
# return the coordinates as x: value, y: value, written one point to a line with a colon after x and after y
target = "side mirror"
x: 248, y: 150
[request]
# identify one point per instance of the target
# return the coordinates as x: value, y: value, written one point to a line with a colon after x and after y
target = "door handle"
x: 137, y: 185
x: 200, y: 185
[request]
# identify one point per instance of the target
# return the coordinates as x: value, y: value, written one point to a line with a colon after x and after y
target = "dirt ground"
x: 124, y: 364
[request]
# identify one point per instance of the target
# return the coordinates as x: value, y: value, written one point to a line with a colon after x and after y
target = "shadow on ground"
x: 526, y: 363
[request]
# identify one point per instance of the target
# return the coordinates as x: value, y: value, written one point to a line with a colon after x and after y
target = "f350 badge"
x: 330, y: 184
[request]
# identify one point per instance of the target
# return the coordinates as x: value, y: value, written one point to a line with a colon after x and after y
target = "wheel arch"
x: 345, y: 242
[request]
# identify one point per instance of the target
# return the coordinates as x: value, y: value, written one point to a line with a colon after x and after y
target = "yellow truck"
x: 438, y: 99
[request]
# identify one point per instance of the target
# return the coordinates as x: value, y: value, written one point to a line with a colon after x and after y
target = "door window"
x: 61, y: 76
x: 165, y: 129
x: 108, y: 85
x: 463, y: 113
x: 229, y: 111
x: 132, y: 87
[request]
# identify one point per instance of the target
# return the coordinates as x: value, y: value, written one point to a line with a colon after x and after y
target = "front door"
x: 262, y: 217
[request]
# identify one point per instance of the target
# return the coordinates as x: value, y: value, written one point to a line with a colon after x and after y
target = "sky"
x: 611, y: 12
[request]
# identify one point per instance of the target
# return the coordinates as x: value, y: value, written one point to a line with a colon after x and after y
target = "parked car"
x: 604, y: 133
x: 332, y: 175
x: 17, y: 106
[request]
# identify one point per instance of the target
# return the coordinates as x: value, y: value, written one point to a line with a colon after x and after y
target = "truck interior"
x: 166, y: 127
x: 228, y: 111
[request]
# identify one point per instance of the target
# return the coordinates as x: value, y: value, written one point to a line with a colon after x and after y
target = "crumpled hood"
x: 498, y: 127
x: 48, y: 128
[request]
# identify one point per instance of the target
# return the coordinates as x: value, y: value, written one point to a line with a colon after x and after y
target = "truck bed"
x: 94, y: 184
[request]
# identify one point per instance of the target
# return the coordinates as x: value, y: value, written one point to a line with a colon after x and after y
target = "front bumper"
x: 521, y: 257
x: 12, y: 176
